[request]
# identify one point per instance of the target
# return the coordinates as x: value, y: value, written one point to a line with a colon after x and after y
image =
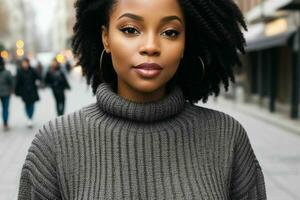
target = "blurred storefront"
x: 272, y: 62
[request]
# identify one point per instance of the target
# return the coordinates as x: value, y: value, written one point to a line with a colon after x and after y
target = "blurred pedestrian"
x: 26, y: 88
x: 68, y: 66
x: 6, y: 88
x: 40, y: 70
x: 56, y: 79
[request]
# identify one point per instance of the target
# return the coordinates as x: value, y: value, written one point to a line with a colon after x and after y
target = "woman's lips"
x: 148, y: 70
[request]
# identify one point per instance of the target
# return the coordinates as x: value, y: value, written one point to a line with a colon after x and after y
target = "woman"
x: 144, y: 138
x: 57, y: 80
x: 26, y: 88
x: 6, y: 88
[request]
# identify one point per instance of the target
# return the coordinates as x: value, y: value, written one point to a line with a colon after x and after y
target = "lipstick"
x: 148, y: 70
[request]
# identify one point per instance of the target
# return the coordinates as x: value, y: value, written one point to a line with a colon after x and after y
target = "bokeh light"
x: 20, y: 52
x: 20, y: 44
x: 4, y: 54
x: 60, y: 58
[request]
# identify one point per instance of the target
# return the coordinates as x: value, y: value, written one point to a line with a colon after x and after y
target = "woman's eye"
x: 129, y: 30
x: 171, y: 33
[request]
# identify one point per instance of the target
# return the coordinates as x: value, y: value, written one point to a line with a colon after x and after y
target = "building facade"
x: 272, y: 61
x: 246, y: 6
x: 41, y: 24
x: 12, y: 23
x: 70, y: 20
x: 58, y: 32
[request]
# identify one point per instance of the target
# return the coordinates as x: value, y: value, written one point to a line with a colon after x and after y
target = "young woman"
x: 148, y: 62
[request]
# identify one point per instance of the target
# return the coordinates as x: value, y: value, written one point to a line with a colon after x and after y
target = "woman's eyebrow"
x: 139, y: 18
x: 132, y: 16
x: 170, y: 18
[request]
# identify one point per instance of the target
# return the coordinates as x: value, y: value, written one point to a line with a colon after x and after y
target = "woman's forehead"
x: 147, y: 8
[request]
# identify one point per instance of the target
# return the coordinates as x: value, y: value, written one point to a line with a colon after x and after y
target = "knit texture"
x: 118, y: 149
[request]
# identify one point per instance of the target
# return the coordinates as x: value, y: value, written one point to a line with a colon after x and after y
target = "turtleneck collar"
x: 116, y: 105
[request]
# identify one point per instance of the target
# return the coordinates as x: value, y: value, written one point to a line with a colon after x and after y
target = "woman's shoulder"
x: 63, y: 125
x: 216, y: 121
x: 70, y: 124
x: 60, y: 131
x: 211, y: 114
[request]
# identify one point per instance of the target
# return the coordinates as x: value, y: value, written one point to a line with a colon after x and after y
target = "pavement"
x: 276, y: 146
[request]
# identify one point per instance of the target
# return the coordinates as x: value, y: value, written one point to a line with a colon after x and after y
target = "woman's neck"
x: 134, y: 95
x: 114, y: 104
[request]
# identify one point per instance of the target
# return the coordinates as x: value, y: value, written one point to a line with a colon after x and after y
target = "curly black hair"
x: 213, y: 33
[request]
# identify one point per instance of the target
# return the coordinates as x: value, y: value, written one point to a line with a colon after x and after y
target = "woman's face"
x: 145, y: 32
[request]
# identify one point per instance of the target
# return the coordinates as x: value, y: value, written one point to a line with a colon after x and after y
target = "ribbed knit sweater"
x: 118, y: 149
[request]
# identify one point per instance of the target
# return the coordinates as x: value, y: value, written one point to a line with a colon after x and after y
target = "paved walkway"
x: 277, y: 149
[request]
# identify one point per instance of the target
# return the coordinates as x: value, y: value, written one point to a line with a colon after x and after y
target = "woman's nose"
x: 150, y: 45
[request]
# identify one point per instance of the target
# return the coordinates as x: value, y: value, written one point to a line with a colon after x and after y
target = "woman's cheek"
x: 122, y: 50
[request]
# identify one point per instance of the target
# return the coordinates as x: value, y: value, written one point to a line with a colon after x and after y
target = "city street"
x: 277, y: 149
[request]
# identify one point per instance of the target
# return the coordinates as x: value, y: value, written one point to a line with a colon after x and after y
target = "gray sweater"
x: 118, y: 149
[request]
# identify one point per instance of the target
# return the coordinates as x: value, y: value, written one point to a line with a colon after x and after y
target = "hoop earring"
x: 101, y: 58
x: 203, y: 67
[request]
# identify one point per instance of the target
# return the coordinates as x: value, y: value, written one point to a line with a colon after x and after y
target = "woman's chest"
x: 145, y: 168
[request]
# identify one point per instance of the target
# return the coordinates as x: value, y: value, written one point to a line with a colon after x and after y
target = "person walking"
x: 6, y: 88
x: 68, y: 66
x: 26, y: 88
x: 56, y: 79
x: 40, y: 71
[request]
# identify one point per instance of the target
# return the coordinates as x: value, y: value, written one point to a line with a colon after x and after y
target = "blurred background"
x: 265, y: 97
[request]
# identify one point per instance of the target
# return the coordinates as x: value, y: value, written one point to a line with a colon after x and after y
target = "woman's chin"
x: 149, y: 87
x: 142, y: 89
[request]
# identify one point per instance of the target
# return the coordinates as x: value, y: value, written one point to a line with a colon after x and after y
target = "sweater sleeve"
x: 38, y: 176
x: 247, y: 181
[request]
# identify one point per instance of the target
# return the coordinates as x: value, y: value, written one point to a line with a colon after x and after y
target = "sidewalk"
x: 277, y: 119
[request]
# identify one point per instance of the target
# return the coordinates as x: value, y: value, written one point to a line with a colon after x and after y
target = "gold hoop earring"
x: 101, y: 58
x: 203, y: 66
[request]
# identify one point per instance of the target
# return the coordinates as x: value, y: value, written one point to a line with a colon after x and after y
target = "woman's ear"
x: 104, y: 34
